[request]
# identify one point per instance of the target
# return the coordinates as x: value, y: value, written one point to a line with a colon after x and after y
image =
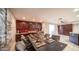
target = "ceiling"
x: 49, y: 15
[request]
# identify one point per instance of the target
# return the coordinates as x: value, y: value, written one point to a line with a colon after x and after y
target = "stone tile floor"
x: 70, y: 46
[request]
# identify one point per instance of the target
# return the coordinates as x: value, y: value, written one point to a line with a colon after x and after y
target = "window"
x: 52, y: 29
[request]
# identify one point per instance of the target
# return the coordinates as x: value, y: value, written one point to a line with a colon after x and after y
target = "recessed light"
x: 33, y: 19
x: 23, y: 17
x: 77, y: 15
x: 40, y: 20
x: 75, y: 10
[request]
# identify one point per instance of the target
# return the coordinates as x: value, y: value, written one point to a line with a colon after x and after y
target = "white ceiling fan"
x: 62, y: 21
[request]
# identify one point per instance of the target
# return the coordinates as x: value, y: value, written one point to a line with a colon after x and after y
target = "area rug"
x: 56, y: 46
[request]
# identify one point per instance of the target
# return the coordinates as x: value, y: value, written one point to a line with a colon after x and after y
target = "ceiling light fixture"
x: 77, y: 15
x: 33, y: 19
x: 23, y: 17
x: 75, y: 10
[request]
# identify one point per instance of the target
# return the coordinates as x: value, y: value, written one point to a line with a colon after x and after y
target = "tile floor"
x: 70, y: 46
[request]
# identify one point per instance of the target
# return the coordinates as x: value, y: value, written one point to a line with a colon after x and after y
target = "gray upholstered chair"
x: 56, y: 37
x: 24, y: 45
x: 20, y: 46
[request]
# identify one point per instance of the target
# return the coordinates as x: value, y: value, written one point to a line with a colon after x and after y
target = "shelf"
x: 27, y: 32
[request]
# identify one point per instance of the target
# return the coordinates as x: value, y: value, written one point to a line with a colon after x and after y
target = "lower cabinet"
x: 74, y: 38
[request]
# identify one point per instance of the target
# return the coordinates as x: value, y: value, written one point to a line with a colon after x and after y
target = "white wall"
x: 45, y: 28
x: 76, y: 28
x: 56, y: 33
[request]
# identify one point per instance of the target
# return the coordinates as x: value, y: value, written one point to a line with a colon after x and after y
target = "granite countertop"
x: 74, y: 32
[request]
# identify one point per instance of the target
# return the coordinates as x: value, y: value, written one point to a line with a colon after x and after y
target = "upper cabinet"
x: 65, y: 29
